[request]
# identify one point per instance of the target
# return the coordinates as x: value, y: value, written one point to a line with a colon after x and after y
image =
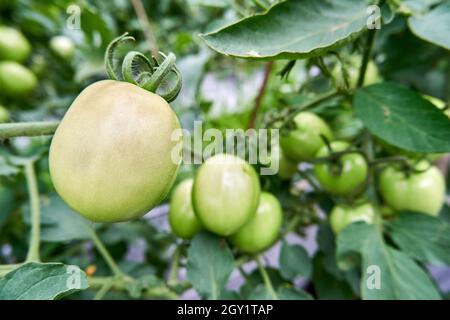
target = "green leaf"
x: 386, y: 272
x: 61, y: 223
x: 433, y: 26
x: 210, y: 263
x: 294, y: 261
x: 422, y: 237
x: 42, y: 281
x: 403, y: 118
x: 292, y: 30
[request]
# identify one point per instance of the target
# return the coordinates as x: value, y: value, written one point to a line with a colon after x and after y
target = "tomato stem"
x: 27, y: 129
x: 33, y: 191
x: 266, y: 279
x: 106, y: 255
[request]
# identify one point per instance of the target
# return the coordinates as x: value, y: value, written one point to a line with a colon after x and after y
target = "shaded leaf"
x: 294, y: 261
x: 386, y: 272
x: 422, y: 237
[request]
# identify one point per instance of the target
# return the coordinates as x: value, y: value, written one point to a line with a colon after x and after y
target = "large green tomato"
x: 353, y: 68
x: 182, y: 217
x: 15, y: 79
x: 225, y: 194
x: 343, y: 215
x: 4, y: 114
x: 13, y: 45
x: 111, y: 156
x: 420, y: 192
x: 343, y: 177
x: 262, y: 230
x: 63, y: 46
x: 303, y: 142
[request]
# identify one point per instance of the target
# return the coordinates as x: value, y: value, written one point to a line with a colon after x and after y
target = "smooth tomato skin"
x: 303, y: 142
x: 15, y: 79
x: 353, y: 173
x: 110, y: 158
x: 420, y: 192
x: 262, y: 230
x: 4, y: 114
x: 62, y: 46
x: 343, y: 215
x: 225, y: 194
x: 182, y: 218
x: 13, y: 45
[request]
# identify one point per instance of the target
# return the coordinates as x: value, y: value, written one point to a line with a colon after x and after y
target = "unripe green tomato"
x: 419, y: 192
x: 343, y: 215
x: 262, y: 230
x: 225, y: 193
x: 182, y: 218
x: 63, y: 46
x: 353, y: 68
x: 111, y: 157
x: 303, y: 142
x: 346, y: 126
x: 343, y: 177
x: 15, y: 79
x: 4, y: 114
x: 13, y: 45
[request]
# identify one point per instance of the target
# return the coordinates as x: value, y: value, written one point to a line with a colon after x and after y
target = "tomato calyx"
x: 134, y: 67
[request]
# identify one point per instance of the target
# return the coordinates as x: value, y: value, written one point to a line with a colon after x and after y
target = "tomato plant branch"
x: 258, y: 100
x: 146, y: 26
x: 106, y: 255
x: 27, y: 129
x: 266, y: 279
x: 33, y: 250
x: 366, y: 57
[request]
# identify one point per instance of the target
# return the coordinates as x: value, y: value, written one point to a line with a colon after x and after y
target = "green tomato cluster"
x: 16, y: 80
x: 225, y: 198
